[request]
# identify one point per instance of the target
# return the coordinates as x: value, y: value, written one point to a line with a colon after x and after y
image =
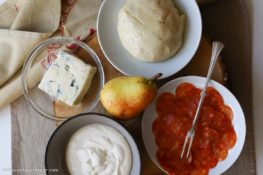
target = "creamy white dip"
x: 98, y: 149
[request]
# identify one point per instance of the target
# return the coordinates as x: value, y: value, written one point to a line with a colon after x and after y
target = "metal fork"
x: 217, y: 48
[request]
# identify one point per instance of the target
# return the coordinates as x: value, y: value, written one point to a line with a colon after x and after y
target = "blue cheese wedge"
x: 67, y: 79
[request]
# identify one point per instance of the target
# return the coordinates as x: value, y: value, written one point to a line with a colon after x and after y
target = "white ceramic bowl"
x: 238, y: 122
x: 56, y: 147
x: 120, y: 58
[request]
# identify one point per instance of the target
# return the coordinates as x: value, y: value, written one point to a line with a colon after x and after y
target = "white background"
x: 5, y: 146
x: 5, y: 135
x: 255, y: 8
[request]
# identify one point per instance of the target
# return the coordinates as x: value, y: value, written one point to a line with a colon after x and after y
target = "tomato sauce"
x: 214, y: 133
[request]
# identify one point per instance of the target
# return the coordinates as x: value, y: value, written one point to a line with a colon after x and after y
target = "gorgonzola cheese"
x: 67, y: 79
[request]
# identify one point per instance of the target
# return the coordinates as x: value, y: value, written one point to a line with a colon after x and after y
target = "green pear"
x: 126, y: 97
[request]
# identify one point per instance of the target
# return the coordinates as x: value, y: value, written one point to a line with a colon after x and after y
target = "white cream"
x: 98, y: 149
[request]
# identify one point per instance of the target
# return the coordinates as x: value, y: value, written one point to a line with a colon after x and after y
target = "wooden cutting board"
x: 222, y: 21
x: 198, y: 66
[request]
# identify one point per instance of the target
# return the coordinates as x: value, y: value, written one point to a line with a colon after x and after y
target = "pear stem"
x: 155, y: 77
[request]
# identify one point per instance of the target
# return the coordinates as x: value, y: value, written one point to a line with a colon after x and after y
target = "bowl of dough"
x: 62, y: 77
x: 149, y: 36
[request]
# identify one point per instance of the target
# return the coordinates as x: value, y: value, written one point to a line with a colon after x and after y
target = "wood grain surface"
x: 226, y: 21
x: 198, y: 66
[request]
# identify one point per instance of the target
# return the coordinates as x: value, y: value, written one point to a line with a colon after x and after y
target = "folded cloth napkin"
x: 26, y: 23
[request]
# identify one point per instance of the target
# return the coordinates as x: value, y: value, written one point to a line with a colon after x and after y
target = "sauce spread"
x: 214, y: 133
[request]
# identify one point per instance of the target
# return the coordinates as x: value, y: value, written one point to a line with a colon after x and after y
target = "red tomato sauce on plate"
x: 214, y: 133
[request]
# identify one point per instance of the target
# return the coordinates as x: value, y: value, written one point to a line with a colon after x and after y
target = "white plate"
x: 120, y: 58
x: 238, y: 121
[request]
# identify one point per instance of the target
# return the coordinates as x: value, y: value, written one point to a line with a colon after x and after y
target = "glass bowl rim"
x: 28, y: 63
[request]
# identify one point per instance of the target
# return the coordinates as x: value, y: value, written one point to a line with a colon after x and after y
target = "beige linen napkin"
x: 25, y: 23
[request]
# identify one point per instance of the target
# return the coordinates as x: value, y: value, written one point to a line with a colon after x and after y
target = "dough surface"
x: 151, y: 30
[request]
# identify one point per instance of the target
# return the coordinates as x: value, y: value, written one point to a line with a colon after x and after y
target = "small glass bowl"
x: 37, y: 64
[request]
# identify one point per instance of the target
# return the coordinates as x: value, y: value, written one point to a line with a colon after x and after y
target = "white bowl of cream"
x: 92, y: 144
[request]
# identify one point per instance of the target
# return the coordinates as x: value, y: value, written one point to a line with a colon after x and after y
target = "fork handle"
x: 216, y: 50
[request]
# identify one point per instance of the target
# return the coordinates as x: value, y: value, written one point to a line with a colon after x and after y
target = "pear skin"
x: 126, y: 97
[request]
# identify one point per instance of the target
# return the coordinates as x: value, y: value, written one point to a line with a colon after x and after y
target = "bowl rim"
x: 30, y: 59
x: 100, y: 115
x: 217, y: 86
x: 123, y: 71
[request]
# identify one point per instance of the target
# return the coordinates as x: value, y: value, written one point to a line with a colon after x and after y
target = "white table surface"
x: 255, y: 8
x: 5, y: 146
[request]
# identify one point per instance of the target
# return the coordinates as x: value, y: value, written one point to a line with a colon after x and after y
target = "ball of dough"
x: 151, y: 30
